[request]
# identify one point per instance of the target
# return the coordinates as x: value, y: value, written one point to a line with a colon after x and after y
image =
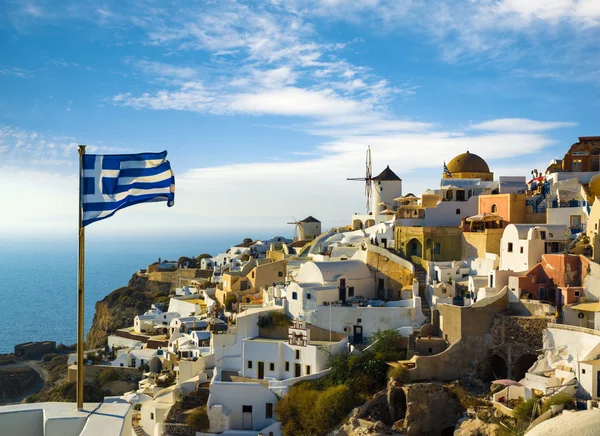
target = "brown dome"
x: 468, y: 163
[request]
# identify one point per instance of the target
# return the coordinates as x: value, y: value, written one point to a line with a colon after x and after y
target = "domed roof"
x: 468, y: 163
x: 595, y: 185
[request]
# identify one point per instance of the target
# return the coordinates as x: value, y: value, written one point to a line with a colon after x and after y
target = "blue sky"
x: 266, y: 107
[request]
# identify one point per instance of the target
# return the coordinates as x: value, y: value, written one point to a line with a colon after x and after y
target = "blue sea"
x: 38, y: 279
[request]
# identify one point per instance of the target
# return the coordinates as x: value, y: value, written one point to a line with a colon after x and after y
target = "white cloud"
x: 520, y: 125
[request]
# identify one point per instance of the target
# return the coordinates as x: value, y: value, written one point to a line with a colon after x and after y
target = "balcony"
x: 555, y: 204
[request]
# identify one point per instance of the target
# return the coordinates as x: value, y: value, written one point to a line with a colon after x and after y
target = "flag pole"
x: 80, y: 287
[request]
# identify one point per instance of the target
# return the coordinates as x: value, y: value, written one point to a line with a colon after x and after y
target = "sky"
x: 267, y: 107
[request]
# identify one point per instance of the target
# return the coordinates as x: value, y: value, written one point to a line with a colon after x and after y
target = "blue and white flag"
x: 113, y: 182
x: 447, y: 172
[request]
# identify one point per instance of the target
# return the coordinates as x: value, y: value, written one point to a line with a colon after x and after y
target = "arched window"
x: 494, y: 208
x: 294, y: 295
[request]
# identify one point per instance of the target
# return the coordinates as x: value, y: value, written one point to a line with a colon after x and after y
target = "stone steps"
x: 139, y: 431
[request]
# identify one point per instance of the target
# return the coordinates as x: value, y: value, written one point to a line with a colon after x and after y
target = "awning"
x: 506, y: 382
x: 587, y: 307
x: 485, y: 217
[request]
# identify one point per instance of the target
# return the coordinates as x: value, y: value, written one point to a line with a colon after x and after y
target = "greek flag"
x: 447, y: 172
x: 113, y: 182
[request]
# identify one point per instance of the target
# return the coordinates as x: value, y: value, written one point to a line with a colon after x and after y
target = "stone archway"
x: 357, y: 224
x: 499, y: 369
x: 522, y: 365
x: 155, y: 365
x: 414, y: 248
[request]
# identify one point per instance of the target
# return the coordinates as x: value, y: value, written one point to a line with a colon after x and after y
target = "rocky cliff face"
x: 118, y: 308
x: 415, y: 409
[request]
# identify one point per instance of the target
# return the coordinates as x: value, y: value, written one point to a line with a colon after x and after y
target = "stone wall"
x: 516, y: 337
x: 396, y: 277
x: 179, y: 430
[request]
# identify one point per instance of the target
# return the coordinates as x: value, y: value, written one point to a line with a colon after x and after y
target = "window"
x: 457, y: 211
x: 152, y: 416
x: 521, y: 250
x: 132, y: 362
x: 449, y: 195
x: 271, y: 366
x: 294, y: 295
x: 287, y: 366
x: 577, y: 165
x: 307, y: 369
x: 246, y: 409
x: 543, y: 234
x: 577, y: 293
x: 350, y: 291
x: 269, y: 411
x: 249, y: 364
x: 358, y: 320
x: 575, y: 221
x: 430, y: 350
x: 510, y: 247
x: 280, y: 274
x: 494, y: 208
x: 437, y: 248
x: 308, y: 296
x: 444, y: 290
x: 297, y: 354
x: 252, y: 274
x: 582, y: 371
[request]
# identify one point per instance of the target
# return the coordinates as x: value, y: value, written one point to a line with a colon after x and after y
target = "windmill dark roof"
x: 387, y: 174
x: 310, y: 219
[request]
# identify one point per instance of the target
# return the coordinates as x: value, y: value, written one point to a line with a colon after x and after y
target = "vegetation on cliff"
x: 119, y: 308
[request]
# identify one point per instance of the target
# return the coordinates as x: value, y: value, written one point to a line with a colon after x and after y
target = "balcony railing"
x: 554, y: 204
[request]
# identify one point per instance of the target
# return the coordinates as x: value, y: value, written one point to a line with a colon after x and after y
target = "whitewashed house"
x: 298, y: 355
x: 134, y: 358
x: 153, y: 320
x: 522, y: 245
x: 341, y: 296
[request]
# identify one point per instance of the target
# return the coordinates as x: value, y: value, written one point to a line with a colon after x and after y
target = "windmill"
x: 367, y: 178
x: 296, y: 224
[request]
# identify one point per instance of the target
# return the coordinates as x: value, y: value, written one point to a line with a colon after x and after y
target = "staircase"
x: 139, y: 431
x: 421, y: 276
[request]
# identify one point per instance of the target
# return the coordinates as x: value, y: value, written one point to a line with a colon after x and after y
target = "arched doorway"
x: 357, y: 225
x: 414, y: 248
x: 522, y: 365
x: 155, y: 365
x: 369, y: 223
x: 498, y: 367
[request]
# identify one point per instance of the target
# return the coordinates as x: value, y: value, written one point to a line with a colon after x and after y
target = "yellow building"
x: 428, y: 243
x: 468, y: 166
x: 593, y: 223
x: 252, y: 278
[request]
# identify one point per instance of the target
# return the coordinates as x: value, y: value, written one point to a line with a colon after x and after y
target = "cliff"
x: 118, y: 308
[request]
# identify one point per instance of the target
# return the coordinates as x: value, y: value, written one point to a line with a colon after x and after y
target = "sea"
x: 38, y: 278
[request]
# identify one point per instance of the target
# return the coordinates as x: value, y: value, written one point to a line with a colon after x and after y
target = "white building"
x: 239, y: 405
x: 60, y: 419
x: 567, y: 204
x: 152, y: 320
x: 296, y: 356
x: 187, y: 306
x: 340, y: 296
x: 570, y: 362
x: 522, y: 245
x: 134, y: 358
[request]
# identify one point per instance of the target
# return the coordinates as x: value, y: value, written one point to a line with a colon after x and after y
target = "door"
x: 598, y: 383
x: 342, y: 290
x: 261, y: 370
x: 297, y: 370
x: 246, y: 417
x: 358, y: 334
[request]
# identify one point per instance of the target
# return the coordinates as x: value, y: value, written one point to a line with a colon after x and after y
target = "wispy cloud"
x: 15, y: 71
x: 520, y: 125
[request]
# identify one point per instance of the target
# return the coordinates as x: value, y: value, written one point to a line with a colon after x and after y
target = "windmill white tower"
x: 380, y: 192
